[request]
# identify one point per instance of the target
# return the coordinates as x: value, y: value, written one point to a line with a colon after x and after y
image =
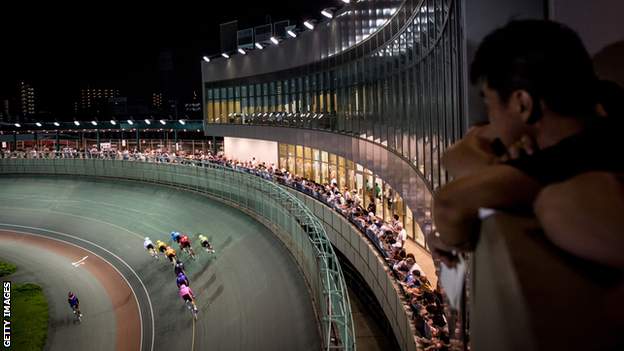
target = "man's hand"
x: 525, y: 146
x: 441, y: 251
x: 471, y: 153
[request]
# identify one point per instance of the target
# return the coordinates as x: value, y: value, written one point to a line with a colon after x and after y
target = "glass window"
x: 299, y: 165
x: 291, y: 150
x: 324, y: 173
x: 316, y: 165
x: 307, y: 169
x: 300, y: 151
x: 332, y: 159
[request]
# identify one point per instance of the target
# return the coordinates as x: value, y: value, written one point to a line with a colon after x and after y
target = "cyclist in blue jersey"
x: 175, y: 236
x: 182, y: 280
x: 74, y: 303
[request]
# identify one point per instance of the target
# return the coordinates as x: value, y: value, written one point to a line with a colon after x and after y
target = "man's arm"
x: 456, y: 204
x: 585, y: 216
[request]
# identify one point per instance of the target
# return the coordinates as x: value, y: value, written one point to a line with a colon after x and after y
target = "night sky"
x: 61, y: 48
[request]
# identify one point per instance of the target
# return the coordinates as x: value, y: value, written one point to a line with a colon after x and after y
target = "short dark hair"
x: 545, y: 58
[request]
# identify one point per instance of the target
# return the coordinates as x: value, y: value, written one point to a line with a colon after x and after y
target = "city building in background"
x: 97, y: 102
x: 157, y: 102
x: 193, y: 108
x: 27, y: 99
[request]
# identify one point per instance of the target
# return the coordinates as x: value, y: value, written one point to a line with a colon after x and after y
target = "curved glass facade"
x: 321, y: 166
x: 399, y: 88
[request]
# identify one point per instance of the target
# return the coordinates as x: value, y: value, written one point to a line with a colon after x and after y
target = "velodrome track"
x: 251, y: 295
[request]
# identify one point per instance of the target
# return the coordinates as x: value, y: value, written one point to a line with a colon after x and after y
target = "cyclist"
x: 175, y: 236
x: 179, y: 267
x: 187, y: 295
x: 185, y: 243
x: 171, y: 254
x: 74, y: 303
x: 162, y: 247
x: 182, y: 279
x: 205, y: 243
x: 149, y: 246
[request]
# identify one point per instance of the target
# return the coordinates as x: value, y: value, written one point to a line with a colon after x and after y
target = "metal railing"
x: 292, y: 221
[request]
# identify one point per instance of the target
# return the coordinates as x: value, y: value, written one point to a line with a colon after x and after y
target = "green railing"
x: 290, y: 219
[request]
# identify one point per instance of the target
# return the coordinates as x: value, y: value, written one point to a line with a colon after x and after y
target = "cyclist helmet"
x: 70, y: 294
x: 146, y: 238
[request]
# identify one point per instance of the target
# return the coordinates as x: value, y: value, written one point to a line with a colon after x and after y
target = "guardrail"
x: 369, y: 261
x: 292, y: 221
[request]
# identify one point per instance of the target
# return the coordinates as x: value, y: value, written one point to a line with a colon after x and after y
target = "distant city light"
x: 274, y: 40
x: 242, y: 51
x: 182, y: 122
x: 206, y: 58
x: 18, y: 125
x: 162, y: 121
x: 346, y: 1
x: 94, y: 123
x: 113, y: 122
x: 292, y: 34
x: 56, y: 124
x: 259, y: 46
x: 77, y: 123
x: 38, y: 124
x: 309, y: 25
x: 147, y: 121
x: 225, y: 55
x: 327, y: 13
x: 130, y: 122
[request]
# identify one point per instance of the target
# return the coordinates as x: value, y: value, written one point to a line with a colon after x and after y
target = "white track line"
x: 73, y: 215
x: 193, y: 340
x: 149, y: 300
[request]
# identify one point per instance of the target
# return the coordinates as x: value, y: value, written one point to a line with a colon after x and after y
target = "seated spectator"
x: 403, y: 268
x: 371, y: 206
x: 397, y: 257
x: 401, y: 237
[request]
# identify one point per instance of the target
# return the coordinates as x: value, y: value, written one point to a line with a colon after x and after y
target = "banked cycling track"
x: 251, y: 294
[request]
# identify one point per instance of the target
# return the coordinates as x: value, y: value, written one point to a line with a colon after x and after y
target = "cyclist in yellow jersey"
x: 162, y: 247
x: 205, y: 243
x: 171, y: 254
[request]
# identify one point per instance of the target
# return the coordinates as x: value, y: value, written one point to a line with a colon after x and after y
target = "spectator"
x: 401, y: 237
x: 537, y: 80
x: 371, y: 208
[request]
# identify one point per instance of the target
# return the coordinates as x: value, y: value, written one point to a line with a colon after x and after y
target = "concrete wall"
x: 244, y: 149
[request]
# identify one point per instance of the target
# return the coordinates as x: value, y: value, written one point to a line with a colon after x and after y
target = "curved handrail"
x: 332, y: 300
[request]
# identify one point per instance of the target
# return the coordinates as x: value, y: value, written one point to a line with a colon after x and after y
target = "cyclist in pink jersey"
x: 186, y: 293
